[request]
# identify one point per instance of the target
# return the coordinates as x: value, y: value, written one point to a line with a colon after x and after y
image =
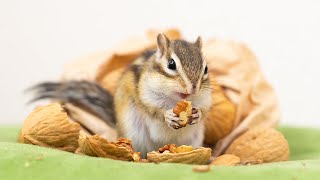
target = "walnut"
x: 174, y: 149
x: 226, y: 160
x: 49, y: 126
x: 137, y: 157
x: 260, y: 144
x: 99, y: 147
x: 169, y: 147
x: 184, y: 110
x: 181, y: 154
x: 182, y: 148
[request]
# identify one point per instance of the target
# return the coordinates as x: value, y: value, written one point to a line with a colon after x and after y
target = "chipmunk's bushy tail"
x: 87, y: 95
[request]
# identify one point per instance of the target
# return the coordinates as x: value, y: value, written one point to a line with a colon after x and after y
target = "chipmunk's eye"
x: 206, y: 70
x: 172, y: 64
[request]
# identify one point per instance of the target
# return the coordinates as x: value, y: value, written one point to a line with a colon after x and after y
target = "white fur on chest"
x: 161, y: 134
x: 150, y: 134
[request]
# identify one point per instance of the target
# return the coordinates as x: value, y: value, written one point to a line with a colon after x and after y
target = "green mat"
x: 20, y: 161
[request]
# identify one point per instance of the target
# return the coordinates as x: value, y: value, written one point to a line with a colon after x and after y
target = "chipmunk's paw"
x: 195, y: 116
x: 173, y: 120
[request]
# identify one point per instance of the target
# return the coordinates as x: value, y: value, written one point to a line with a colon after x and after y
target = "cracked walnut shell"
x: 99, y: 147
x: 182, y: 154
x: 49, y: 126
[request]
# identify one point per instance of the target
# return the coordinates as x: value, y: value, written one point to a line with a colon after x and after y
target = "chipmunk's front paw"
x: 173, y: 120
x: 195, y: 116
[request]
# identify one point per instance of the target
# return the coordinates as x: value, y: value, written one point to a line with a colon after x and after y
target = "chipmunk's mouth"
x: 183, y: 96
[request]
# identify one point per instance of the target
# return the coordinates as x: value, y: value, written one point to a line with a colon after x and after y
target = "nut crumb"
x: 136, y: 157
x: 201, y: 168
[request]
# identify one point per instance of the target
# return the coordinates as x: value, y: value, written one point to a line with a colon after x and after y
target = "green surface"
x: 8, y: 133
x: 21, y: 161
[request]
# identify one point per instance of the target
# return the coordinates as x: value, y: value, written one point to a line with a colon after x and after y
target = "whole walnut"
x: 264, y: 144
x: 49, y: 126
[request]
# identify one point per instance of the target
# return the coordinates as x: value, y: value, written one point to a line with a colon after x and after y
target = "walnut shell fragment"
x: 98, y: 146
x: 260, y: 144
x: 49, y: 126
x: 184, y: 110
x: 226, y: 160
x: 199, y: 156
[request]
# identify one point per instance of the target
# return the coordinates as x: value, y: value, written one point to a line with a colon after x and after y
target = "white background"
x: 38, y: 37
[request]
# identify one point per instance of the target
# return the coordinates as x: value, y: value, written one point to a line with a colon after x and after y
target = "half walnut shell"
x: 98, y: 146
x: 181, y: 154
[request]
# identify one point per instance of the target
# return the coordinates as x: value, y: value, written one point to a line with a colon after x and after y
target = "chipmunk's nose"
x: 194, y: 88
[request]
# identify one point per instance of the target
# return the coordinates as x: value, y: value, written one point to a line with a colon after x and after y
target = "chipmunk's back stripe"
x: 136, y: 69
x: 147, y: 54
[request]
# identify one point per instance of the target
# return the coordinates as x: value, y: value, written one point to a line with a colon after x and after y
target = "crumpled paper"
x: 236, y: 76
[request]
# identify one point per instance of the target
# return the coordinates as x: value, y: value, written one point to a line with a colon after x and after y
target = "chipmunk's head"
x: 183, y: 70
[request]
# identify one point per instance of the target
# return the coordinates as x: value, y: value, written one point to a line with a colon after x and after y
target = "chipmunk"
x: 142, y: 107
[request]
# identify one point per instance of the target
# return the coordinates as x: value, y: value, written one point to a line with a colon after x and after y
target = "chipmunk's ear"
x: 199, y: 42
x: 163, y: 44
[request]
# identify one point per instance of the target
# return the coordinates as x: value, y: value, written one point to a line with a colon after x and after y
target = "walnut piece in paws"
x: 184, y: 110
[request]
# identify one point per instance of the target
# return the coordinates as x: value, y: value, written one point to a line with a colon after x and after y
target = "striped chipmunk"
x: 147, y: 92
